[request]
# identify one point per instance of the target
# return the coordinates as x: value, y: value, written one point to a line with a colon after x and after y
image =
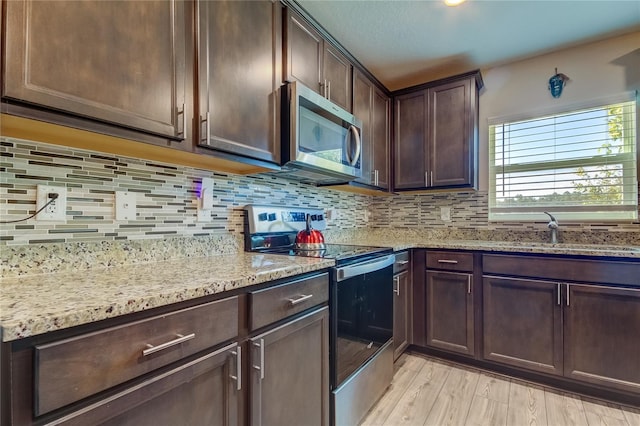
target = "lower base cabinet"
x: 522, y: 323
x: 187, y: 366
x: 602, y: 336
x: 196, y: 393
x: 290, y: 373
x: 402, y: 303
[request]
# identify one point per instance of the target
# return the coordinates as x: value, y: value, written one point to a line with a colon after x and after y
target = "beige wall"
x: 597, y: 70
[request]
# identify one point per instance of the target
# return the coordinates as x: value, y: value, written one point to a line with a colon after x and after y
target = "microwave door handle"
x: 352, y: 161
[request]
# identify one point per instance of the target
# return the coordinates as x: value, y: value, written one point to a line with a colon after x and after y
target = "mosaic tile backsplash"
x: 166, y: 226
x: 166, y: 196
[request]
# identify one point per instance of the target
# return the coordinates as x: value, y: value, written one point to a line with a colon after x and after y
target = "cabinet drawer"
x: 580, y: 270
x: 275, y: 303
x: 450, y: 260
x: 71, y: 369
x: 402, y: 262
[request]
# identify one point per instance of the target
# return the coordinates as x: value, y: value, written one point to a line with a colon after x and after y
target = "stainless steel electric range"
x: 360, y: 305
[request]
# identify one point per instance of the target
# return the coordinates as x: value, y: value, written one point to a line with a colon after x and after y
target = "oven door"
x: 361, y: 315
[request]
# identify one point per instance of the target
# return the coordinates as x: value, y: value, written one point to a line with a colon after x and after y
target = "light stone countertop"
x: 38, y: 304
x: 632, y: 252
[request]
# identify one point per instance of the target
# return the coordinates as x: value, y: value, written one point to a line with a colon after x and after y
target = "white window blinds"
x: 578, y: 165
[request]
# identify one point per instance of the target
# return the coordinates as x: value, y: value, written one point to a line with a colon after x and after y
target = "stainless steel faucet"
x: 553, y: 225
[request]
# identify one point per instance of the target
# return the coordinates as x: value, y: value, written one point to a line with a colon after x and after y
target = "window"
x: 580, y: 165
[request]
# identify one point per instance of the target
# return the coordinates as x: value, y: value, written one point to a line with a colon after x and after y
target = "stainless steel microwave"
x: 320, y: 141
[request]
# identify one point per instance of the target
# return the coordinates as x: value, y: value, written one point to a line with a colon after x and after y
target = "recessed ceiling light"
x: 453, y: 2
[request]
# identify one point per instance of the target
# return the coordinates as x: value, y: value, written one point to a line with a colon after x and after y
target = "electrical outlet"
x: 57, y: 210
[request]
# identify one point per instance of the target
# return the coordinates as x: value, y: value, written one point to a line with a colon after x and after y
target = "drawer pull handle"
x: 402, y: 262
x: 180, y: 339
x: 260, y: 367
x: 300, y: 299
x: 453, y: 262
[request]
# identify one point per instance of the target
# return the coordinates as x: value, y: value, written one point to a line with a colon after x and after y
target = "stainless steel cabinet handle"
x: 469, y: 284
x: 261, y: 366
x: 402, y: 262
x: 376, y: 178
x: 452, y: 262
x: 182, y: 112
x: 431, y: 178
x: 180, y: 339
x: 426, y: 178
x: 204, y: 137
x: 396, y: 287
x: 329, y: 90
x: 324, y: 89
x: 567, y: 294
x: 300, y: 299
x: 238, y: 376
x: 558, y: 288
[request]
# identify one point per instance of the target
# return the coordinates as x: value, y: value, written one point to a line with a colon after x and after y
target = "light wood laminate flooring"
x: 429, y: 391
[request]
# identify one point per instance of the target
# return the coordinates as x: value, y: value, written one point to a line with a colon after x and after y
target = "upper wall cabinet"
x: 239, y: 73
x: 436, y: 134
x: 118, y: 66
x: 372, y: 106
x: 315, y: 62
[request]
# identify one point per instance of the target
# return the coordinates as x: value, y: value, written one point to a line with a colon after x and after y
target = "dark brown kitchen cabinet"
x: 239, y: 70
x: 371, y: 106
x: 449, y: 305
x: 436, y: 134
x: 402, y: 304
x: 114, y: 67
x: 289, y: 364
x: 313, y: 61
x: 571, y: 317
x: 522, y: 323
x: 601, y: 331
x: 450, y: 323
x: 196, y: 392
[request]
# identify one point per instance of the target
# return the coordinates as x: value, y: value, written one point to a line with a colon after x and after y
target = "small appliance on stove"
x: 360, y: 304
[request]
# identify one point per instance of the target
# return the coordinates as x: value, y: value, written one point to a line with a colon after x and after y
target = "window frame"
x: 570, y: 214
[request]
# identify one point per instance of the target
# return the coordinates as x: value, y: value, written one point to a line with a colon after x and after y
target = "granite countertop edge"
x: 82, y: 297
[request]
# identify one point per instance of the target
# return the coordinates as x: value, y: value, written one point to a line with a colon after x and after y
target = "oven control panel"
x: 264, y: 219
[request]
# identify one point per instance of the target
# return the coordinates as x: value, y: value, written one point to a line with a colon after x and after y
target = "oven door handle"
x: 346, y: 272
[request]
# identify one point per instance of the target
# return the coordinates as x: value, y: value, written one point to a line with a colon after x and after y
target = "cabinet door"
x: 363, y: 109
x: 601, y: 336
x: 199, y: 392
x: 450, y: 311
x: 451, y: 135
x: 380, y: 129
x: 116, y: 62
x: 290, y: 373
x: 523, y: 323
x: 305, y: 48
x: 337, y: 75
x: 410, y: 141
x: 239, y: 76
x: 401, y: 313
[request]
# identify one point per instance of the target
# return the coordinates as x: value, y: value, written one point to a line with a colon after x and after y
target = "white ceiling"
x: 409, y: 42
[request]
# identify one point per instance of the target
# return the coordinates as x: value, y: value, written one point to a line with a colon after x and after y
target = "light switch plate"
x: 125, y: 204
x: 205, y: 200
x: 445, y: 214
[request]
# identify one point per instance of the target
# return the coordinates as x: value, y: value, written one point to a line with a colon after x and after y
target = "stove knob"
x: 262, y: 217
x: 272, y: 217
